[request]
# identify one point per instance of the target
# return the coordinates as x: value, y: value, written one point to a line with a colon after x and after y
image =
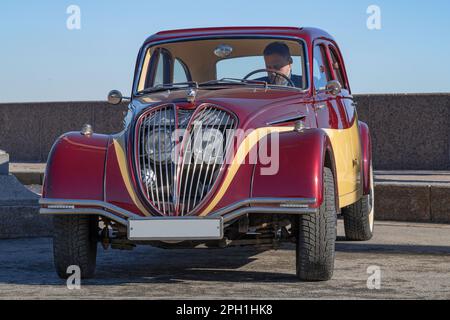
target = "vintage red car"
x: 234, y: 136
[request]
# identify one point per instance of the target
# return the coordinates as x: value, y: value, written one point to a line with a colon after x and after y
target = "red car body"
x: 97, y: 174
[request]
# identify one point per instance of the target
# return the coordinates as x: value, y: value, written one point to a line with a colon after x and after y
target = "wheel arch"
x: 329, y: 162
x: 76, y: 167
x: 302, y: 157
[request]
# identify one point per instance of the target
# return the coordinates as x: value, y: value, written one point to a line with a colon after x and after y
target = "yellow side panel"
x: 347, y: 154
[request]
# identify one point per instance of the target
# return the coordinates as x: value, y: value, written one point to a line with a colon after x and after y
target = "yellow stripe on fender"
x: 121, y: 160
x: 244, y: 149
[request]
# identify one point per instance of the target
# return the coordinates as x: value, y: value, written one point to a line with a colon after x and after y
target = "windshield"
x: 212, y: 62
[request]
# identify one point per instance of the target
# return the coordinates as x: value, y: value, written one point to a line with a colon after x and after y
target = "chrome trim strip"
x: 239, y: 213
x: 229, y: 213
x: 88, y: 203
x: 288, y: 119
x: 263, y: 201
x: 86, y: 211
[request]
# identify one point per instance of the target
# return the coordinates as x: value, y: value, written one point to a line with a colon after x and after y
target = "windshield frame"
x: 301, y: 41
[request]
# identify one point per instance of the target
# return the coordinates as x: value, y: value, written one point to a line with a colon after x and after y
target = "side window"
x: 159, y: 72
x: 337, y: 67
x: 160, y: 68
x: 180, y: 72
x: 321, y: 70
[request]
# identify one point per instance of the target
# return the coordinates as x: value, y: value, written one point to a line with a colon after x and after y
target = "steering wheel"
x: 271, y: 71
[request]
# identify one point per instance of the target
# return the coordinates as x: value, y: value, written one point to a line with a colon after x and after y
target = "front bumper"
x: 277, y: 206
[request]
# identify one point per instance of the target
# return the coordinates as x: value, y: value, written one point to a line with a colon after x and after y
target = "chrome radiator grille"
x: 180, y: 154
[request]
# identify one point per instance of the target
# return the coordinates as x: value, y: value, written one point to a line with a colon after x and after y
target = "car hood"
x: 248, y: 103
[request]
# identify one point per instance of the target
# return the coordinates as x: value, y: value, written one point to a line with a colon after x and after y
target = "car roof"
x: 305, y: 33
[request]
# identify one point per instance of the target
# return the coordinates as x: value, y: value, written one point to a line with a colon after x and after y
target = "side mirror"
x: 334, y: 87
x: 115, y: 97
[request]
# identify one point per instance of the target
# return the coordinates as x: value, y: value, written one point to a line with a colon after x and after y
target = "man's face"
x: 276, y: 62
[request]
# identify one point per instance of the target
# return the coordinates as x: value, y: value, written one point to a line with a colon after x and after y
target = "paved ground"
x: 414, y: 260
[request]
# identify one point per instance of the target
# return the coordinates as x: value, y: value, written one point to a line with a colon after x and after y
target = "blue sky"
x: 41, y: 60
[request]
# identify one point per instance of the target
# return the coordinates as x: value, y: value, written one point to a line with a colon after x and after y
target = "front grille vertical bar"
x: 223, y: 158
x: 168, y: 162
x: 204, y: 114
x: 150, y: 170
x: 160, y: 164
x: 177, y: 155
x: 186, y: 175
x: 184, y: 147
x: 143, y: 169
x: 154, y: 164
x: 139, y: 151
x: 225, y: 154
x: 203, y: 159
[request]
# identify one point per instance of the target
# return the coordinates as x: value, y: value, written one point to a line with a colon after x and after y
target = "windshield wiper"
x: 232, y: 81
x: 169, y: 86
x: 235, y: 81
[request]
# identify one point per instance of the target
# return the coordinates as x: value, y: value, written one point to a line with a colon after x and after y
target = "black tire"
x: 359, y: 217
x: 75, y: 243
x: 316, y: 237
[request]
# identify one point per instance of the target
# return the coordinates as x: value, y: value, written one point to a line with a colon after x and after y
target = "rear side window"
x: 321, y: 70
x: 337, y: 67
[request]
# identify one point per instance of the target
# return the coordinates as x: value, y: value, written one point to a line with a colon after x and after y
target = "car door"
x: 346, y: 102
x: 332, y: 118
x: 345, y: 99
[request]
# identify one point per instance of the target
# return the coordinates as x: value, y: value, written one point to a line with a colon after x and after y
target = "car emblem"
x: 191, y: 94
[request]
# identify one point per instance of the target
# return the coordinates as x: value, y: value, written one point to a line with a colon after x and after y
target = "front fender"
x: 302, y: 157
x: 76, y: 167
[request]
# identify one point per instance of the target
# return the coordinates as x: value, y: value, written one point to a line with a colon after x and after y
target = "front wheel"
x: 316, y: 237
x: 75, y: 244
x: 359, y: 217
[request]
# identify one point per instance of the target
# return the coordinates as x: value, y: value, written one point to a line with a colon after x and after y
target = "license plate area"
x: 175, y: 229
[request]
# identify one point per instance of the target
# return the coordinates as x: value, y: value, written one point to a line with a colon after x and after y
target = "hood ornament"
x: 191, y: 95
x: 87, y: 130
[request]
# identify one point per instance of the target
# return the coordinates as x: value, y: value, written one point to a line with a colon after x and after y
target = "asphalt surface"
x: 414, y: 260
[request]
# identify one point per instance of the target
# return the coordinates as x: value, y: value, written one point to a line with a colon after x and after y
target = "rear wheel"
x: 75, y: 244
x: 359, y: 217
x: 316, y: 237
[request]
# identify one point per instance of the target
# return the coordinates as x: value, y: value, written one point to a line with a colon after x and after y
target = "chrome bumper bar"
x: 286, y: 206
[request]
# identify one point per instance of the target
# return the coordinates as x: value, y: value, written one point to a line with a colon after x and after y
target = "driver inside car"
x: 277, y: 57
